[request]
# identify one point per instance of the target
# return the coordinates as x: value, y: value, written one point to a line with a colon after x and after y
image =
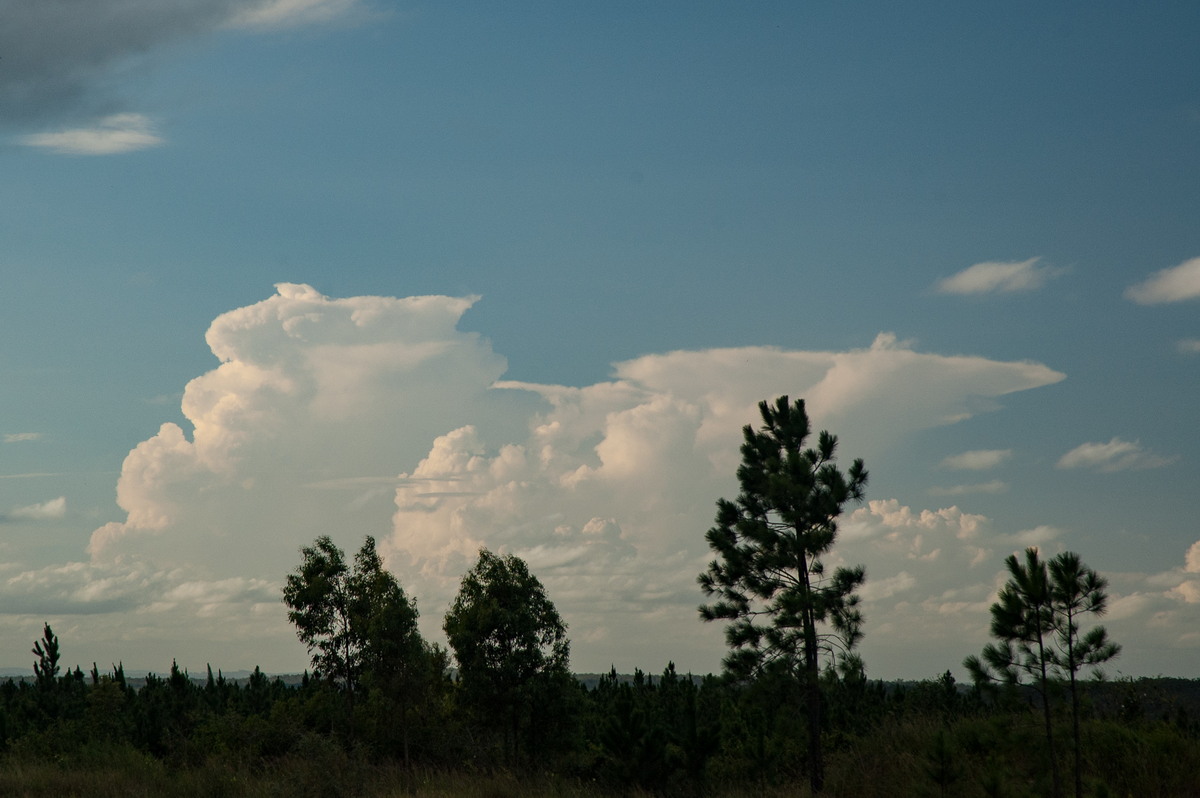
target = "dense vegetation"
x: 383, y: 712
x: 105, y: 734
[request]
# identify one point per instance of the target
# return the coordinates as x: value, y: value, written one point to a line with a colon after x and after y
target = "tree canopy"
x: 510, y: 643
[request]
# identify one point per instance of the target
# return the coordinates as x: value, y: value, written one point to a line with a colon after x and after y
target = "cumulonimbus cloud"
x: 380, y: 416
x: 377, y: 415
x: 996, y: 277
x: 1175, y: 284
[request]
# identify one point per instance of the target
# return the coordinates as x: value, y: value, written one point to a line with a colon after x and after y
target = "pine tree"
x: 1036, y: 620
x: 46, y: 650
x: 769, y: 579
x: 1023, y: 622
x: 1076, y: 590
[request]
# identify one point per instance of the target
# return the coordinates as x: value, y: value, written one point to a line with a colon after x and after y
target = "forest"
x: 499, y: 712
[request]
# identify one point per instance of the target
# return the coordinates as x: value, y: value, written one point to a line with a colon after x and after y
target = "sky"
x: 463, y: 275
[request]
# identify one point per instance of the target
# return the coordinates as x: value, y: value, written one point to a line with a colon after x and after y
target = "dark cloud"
x: 55, y: 55
x: 58, y: 57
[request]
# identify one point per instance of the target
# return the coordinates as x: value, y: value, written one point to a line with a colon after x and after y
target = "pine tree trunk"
x: 812, y: 686
x: 1054, y: 775
x: 1074, y: 708
x: 815, y: 754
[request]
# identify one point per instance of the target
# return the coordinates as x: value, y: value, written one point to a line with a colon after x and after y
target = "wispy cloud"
x: 977, y: 460
x: 289, y: 13
x: 17, y: 437
x: 112, y: 135
x: 55, y: 508
x: 1116, y: 455
x: 1189, y: 346
x: 995, y: 486
x: 1175, y: 284
x: 996, y: 277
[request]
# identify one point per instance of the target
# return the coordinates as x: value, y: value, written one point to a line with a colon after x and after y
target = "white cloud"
x: 1189, y: 346
x: 996, y: 277
x: 1038, y: 536
x: 112, y: 135
x: 1175, y: 284
x: 1116, y: 455
x: 993, y: 487
x: 880, y: 589
x: 375, y: 415
x: 17, y: 437
x: 55, y: 508
x: 1192, y: 559
x: 1157, y: 612
x: 977, y: 460
x: 80, y: 588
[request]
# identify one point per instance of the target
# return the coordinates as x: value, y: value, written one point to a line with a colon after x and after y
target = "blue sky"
x: 955, y: 231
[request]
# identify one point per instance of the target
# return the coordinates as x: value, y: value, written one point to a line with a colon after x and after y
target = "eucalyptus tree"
x: 397, y: 665
x: 785, y: 612
x: 357, y: 623
x: 511, y: 647
x: 317, y: 595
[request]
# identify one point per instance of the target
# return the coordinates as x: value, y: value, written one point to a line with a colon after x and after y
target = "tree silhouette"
x: 318, y: 598
x: 1023, y: 622
x: 1075, y: 590
x: 769, y: 580
x: 510, y: 644
x: 358, y: 624
x: 1036, y: 620
x: 46, y: 650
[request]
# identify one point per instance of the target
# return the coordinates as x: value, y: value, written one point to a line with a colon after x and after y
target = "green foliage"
x: 512, y: 652
x: 46, y: 650
x: 941, y: 765
x: 1036, y: 620
x: 361, y: 632
x: 768, y: 576
x: 317, y: 595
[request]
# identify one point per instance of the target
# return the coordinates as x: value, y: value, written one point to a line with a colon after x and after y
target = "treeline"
x: 668, y: 734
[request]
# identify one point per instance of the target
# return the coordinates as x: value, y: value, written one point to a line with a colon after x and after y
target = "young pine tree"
x: 1036, y: 621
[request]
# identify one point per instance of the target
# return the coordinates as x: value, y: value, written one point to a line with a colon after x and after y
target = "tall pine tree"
x: 786, y: 613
